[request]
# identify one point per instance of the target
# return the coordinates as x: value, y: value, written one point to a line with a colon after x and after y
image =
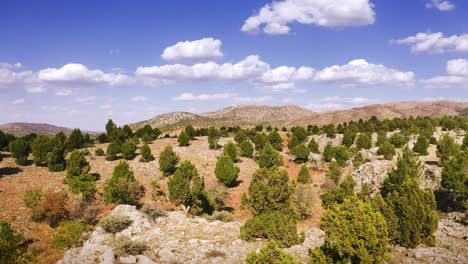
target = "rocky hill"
x: 291, y: 115
x: 21, y: 129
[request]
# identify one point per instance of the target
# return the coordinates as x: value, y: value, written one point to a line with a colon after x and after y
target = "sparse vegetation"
x: 168, y: 160
x: 69, y: 234
x: 114, y: 224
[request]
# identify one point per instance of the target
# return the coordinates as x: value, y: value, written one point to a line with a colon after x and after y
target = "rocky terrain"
x: 291, y: 115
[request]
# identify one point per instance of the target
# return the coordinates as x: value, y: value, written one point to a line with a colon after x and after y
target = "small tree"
x: 146, y: 138
x: 240, y: 136
x: 301, y: 152
x: 99, y: 152
x: 168, y: 160
x: 146, y: 155
x: 269, y: 157
x: 230, y: 150
x: 112, y: 150
x: 398, y: 140
x: 246, y: 149
x: 313, y: 146
x: 387, y: 150
x: 275, y: 140
x: 260, y: 139
x: 190, y: 131
x: 270, y: 254
x: 183, y: 139
x: 364, y: 141
x: 75, y: 140
x: 226, y: 171
x: 187, y: 187
x: 304, y: 175
x: 212, y: 143
x: 328, y: 152
x: 342, y: 155
x: 83, y: 184
x: 128, y: 150
x: 334, y: 172
x: 19, y: 149
x: 56, y: 160
x: 11, y: 246
x: 123, y: 188
x: 447, y: 148
x: 293, y: 143
x: 455, y: 180
x: 77, y: 164
x: 40, y: 150
x: 348, y: 138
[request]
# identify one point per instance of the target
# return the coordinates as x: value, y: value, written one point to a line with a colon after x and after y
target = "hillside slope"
x: 20, y: 129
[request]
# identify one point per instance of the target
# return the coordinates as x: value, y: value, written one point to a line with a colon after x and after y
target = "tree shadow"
x: 235, y: 184
x: 226, y: 208
x: 96, y: 176
x: 9, y: 171
x: 431, y: 162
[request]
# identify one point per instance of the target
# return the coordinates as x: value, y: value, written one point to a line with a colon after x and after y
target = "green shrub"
x: 112, y: 150
x: 341, y: 155
x: 124, y: 246
x: 260, y: 139
x: 115, y: 224
x: 146, y: 138
x: 240, y: 136
x: 328, y: 152
x: 11, y: 246
x: 33, y: 197
x: 387, y: 150
x: 304, y: 175
x: 275, y: 140
x: 212, y: 143
x: 128, y: 150
x: 293, y: 142
x: 246, y: 149
x: 68, y: 234
x: 84, y: 184
x: 19, y: 149
x: 75, y: 140
x: 226, y: 171
x: 270, y: 254
x: 40, y: 150
x: 99, y: 152
x: 123, y: 188
x: 183, y: 139
x: 421, y: 145
x: 447, y: 148
x: 77, y: 164
x: 364, y: 141
x: 146, y: 155
x: 313, y: 146
x: 344, y: 190
x: 230, y: 150
x: 398, y: 140
x: 301, y: 152
x: 455, y: 180
x: 56, y: 160
x: 334, y: 172
x: 168, y: 160
x: 269, y: 157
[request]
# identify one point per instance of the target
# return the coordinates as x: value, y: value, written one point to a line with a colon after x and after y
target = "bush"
x: 269, y: 157
x: 115, y: 224
x: 68, y: 234
x: 52, y: 208
x: 146, y: 155
x: 240, y: 136
x: 328, y: 152
x: 355, y: 233
x: 168, y: 160
x: 212, y: 143
x: 455, y: 180
x: 270, y: 254
x: 123, y: 188
x: 302, y: 200
x: 128, y: 150
x: 84, y: 184
x: 11, y: 246
x: 387, y: 150
x: 293, y: 143
x: 99, y: 152
x: 112, y: 150
x: 146, y: 138
x: 124, y: 246
x: 348, y: 138
x: 342, y: 155
x: 223, y: 216
x: 301, y: 152
x: 304, y: 175
x: 226, y: 171
x: 275, y: 140
x: 398, y: 140
x: 334, y: 172
x: 313, y: 146
x: 187, y: 187
x: 75, y: 140
x: 230, y: 150
x: 246, y: 149
x: 183, y: 139
x: 364, y: 141
x: 447, y: 148
x: 56, y: 160
x: 33, y: 197
x: 77, y: 165
x: 40, y: 150
x: 19, y: 149
x: 260, y: 140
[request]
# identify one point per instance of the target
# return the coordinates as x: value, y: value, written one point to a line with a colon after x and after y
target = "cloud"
x: 361, y: 73
x: 106, y: 106
x: 86, y: 99
x: 338, y: 103
x: 36, y: 89
x: 435, y: 43
x: 457, y: 76
x: 63, y: 92
x: 114, y: 51
x: 18, y: 101
x: 73, y: 74
x: 138, y: 99
x: 231, y: 97
x: 441, y: 5
x: 339, y: 13
x: 202, y: 49
x: 11, y: 77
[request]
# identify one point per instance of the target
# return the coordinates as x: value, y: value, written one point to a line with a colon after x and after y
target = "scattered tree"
x: 387, y: 150
x: 123, y: 188
x: 226, y: 171
x: 270, y: 254
x: 328, y: 152
x: 304, y: 175
x: 11, y: 244
x: 19, y: 149
x: 342, y: 155
x: 246, y: 149
x: 112, y: 150
x: 128, y: 150
x: 364, y: 141
x: 398, y: 140
x: 313, y: 146
x: 231, y: 151
x: 56, y: 160
x: 40, y: 150
x: 146, y: 155
x: 334, y: 172
x: 421, y: 145
x: 183, y: 139
x: 301, y: 152
x: 77, y: 164
x: 168, y: 160
x: 269, y: 157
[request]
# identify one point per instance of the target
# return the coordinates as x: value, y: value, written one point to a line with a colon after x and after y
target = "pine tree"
x: 275, y: 140
x: 304, y: 175
x: 56, y: 160
x: 301, y: 152
x: 168, y: 160
x: 387, y: 150
x: 19, y: 149
x: 455, y: 180
x: 348, y: 138
x: 363, y: 141
x: 183, y: 139
x: 260, y: 139
x: 226, y: 171
x: 447, y: 148
x: 313, y: 146
x: 146, y: 155
x: 246, y: 149
x: 231, y: 151
x: 123, y: 188
x: 334, y: 172
x: 187, y: 187
x: 398, y: 140
x: 328, y: 152
x: 421, y: 145
x: 341, y: 155
x: 240, y: 136
x: 75, y: 140
x: 269, y: 157
x: 293, y: 143
x: 128, y: 150
x: 40, y: 150
x: 84, y: 184
x: 77, y: 164
x: 190, y: 131
x: 112, y: 150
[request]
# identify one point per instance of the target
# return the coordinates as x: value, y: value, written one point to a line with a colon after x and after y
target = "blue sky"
x: 79, y: 63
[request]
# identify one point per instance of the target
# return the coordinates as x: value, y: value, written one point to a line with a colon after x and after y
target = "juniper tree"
x: 123, y: 187
x: 334, y: 172
x: 348, y: 137
x: 19, y: 149
x: 146, y: 155
x: 112, y: 150
x: 270, y: 254
x: 363, y: 141
x: 304, y: 175
x: 341, y: 154
x: 246, y: 149
x: 77, y: 164
x: 301, y: 152
x: 40, y: 150
x: 398, y: 140
x: 447, y: 148
x: 260, y: 139
x: 328, y: 152
x: 455, y: 180
x: 56, y: 160
x: 226, y: 171
x: 183, y: 139
x: 300, y: 133
x: 75, y: 140
x: 421, y: 145
x: 293, y: 143
x: 269, y: 157
x: 240, y: 136
x: 12, y: 246
x: 168, y: 160
x: 313, y: 146
x: 387, y: 150
x: 231, y: 151
x: 275, y: 140
x: 128, y: 150
x: 84, y: 184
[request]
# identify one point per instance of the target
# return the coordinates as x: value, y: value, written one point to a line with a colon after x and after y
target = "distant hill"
x: 291, y: 115
x: 21, y: 129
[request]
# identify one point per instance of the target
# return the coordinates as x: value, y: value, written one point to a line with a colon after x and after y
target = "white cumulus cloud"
x: 435, y: 43
x: 138, y: 98
x: 338, y: 103
x: 441, y: 5
x: 338, y: 13
x: 202, y: 49
x: 18, y: 101
x: 230, y: 97
x: 457, y: 76
x: 361, y: 73
x: 11, y: 76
